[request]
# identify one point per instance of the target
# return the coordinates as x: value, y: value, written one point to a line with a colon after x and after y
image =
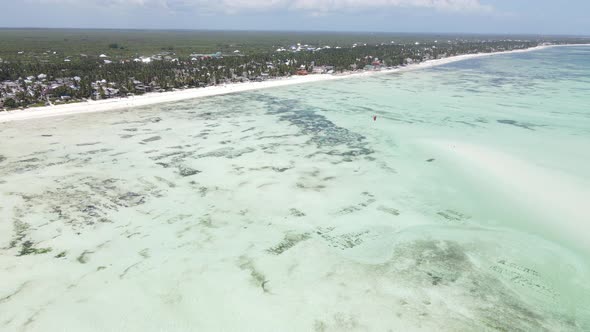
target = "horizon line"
x: 304, y: 31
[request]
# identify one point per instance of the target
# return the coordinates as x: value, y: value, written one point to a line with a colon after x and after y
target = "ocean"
x: 450, y: 198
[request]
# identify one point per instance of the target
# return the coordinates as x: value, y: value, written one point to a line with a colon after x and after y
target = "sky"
x: 564, y: 17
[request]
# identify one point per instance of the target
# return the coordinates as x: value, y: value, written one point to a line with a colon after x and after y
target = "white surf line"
x: 193, y: 93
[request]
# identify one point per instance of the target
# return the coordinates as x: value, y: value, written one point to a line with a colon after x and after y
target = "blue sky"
x: 468, y: 16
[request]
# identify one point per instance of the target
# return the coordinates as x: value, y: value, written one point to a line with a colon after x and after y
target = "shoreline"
x: 194, y: 93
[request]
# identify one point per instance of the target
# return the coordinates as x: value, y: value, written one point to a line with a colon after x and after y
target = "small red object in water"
x: 374, y: 118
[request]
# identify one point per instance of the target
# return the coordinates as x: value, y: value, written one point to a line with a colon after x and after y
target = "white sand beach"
x: 172, y: 96
x: 462, y: 207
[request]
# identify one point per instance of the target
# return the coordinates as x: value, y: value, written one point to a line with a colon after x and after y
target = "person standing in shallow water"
x: 374, y: 118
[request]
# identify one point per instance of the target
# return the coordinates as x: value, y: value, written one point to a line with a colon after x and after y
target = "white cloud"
x: 310, y: 6
x: 335, y: 5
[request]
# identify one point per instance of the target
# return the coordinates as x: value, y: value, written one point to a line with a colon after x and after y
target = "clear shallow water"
x: 463, y: 207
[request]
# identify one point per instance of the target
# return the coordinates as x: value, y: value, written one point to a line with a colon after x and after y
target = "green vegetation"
x: 288, y: 242
x: 28, y: 249
x: 258, y: 277
x: 20, y: 232
x: 73, y: 42
x: 60, y: 65
x: 83, y: 258
x: 61, y: 255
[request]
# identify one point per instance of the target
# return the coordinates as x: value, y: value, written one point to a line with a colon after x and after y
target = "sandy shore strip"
x: 192, y: 93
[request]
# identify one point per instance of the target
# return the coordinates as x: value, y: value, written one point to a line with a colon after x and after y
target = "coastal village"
x: 53, y: 79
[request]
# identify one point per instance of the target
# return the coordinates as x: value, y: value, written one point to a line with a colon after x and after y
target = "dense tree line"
x: 168, y: 74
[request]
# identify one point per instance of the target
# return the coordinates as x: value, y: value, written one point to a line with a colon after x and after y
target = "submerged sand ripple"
x: 272, y: 212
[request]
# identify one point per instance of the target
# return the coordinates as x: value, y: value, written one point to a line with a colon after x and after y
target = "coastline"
x: 282, y: 214
x: 194, y: 93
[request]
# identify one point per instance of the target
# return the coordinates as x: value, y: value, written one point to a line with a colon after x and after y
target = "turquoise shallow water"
x: 464, y: 206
